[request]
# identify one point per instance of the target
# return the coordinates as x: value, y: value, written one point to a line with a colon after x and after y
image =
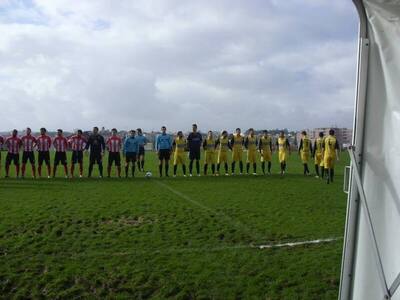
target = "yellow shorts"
x: 179, y: 158
x: 305, y: 156
x: 266, y: 156
x: 282, y: 156
x: 329, y: 162
x: 252, y: 156
x: 222, y: 157
x: 210, y: 158
x: 237, y: 155
x: 318, y: 159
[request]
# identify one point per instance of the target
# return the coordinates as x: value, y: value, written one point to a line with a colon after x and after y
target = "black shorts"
x: 77, y: 157
x: 114, y: 157
x: 141, y: 151
x: 60, y: 157
x: 164, y: 154
x: 44, y: 156
x: 130, y: 157
x: 12, y: 157
x: 95, y: 158
x: 194, y: 154
x: 28, y: 156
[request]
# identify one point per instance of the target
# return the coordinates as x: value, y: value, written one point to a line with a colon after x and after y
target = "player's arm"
x: 205, y: 145
x: 231, y: 142
x: 337, y: 150
x: 89, y: 142
x: 260, y: 144
x: 288, y: 146
x: 301, y: 145
x: 246, y: 143
x: 314, y: 149
x: 270, y: 146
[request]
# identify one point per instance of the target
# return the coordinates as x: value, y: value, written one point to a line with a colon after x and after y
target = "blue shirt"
x: 131, y: 144
x: 142, y: 140
x: 163, y: 142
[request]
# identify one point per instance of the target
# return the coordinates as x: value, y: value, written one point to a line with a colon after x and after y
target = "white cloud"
x: 221, y: 64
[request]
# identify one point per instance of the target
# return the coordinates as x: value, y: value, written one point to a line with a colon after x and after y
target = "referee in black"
x: 96, y: 146
x: 194, y: 142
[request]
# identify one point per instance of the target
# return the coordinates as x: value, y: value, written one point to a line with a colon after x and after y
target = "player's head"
x: 114, y: 131
x: 43, y: 131
x: 163, y: 129
x: 132, y: 132
x: 224, y: 133
x: 210, y: 134
x: 265, y: 132
x: 282, y: 134
x: 304, y: 133
x: 331, y: 132
x: 59, y: 132
x: 194, y: 127
x: 28, y: 131
x: 139, y: 131
x: 238, y: 131
x: 321, y: 134
x: 251, y: 131
x: 14, y: 132
x: 79, y: 132
x: 95, y: 130
x: 180, y: 134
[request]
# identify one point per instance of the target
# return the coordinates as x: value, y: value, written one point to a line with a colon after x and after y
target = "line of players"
x: 324, y: 152
x: 133, y: 149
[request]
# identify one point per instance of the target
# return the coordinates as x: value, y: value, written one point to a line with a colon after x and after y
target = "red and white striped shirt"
x: 60, y: 144
x: 13, y: 144
x: 114, y: 144
x: 77, y: 143
x: 28, y: 142
x: 1, y: 141
x: 43, y: 143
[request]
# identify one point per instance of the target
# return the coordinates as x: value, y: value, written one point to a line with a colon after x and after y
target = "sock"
x: 317, y: 170
x: 119, y: 171
x: 213, y: 168
x: 226, y: 167
x: 17, y: 169
x: 65, y: 170
x: 39, y: 170
x: 184, y: 169
x: 205, y: 169
x: 142, y: 164
x: 101, y: 169
x: 160, y: 169
x: 198, y: 166
x: 175, y: 169
x: 138, y: 164
x: 166, y: 168
x: 304, y: 169
x: 23, y: 170
x: 241, y: 166
x: 72, y: 169
x: 263, y: 167
x: 254, y: 167
x: 126, y: 170
x: 218, y: 166
x: 233, y: 167
x: 269, y: 167
x: 190, y: 166
x: 7, y: 169
x: 48, y: 169
x: 54, y: 170
x: 322, y: 172
x: 133, y: 170
x: 307, y: 169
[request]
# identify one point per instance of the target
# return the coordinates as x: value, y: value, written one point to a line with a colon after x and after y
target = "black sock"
x: 255, y: 167
x: 269, y: 167
x: 101, y: 169
x: 205, y: 169
x: 218, y: 166
x: 241, y: 166
x: 190, y: 166
x: 166, y: 168
x: 184, y: 169
x: 233, y: 167
x: 138, y: 164
x: 133, y: 170
x: 304, y: 169
x: 307, y: 169
x: 175, y: 169
x: 226, y: 167
x: 213, y: 168
x: 126, y: 171
x: 198, y: 166
x: 263, y: 167
x: 90, y: 169
x: 160, y: 169
x: 317, y: 170
x: 247, y: 167
x: 142, y: 165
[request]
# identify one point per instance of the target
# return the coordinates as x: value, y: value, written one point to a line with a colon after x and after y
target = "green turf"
x: 180, y: 238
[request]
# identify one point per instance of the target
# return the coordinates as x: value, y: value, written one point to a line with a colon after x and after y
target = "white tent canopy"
x: 371, y: 258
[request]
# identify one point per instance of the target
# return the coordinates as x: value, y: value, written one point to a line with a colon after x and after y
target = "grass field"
x: 180, y: 238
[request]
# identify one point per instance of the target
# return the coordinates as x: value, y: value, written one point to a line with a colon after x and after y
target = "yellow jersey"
x: 265, y: 143
x: 283, y: 144
x: 209, y: 145
x: 319, y: 145
x: 237, y: 142
x: 179, y: 145
x: 305, y: 144
x: 330, y: 146
x: 223, y: 144
x: 251, y: 143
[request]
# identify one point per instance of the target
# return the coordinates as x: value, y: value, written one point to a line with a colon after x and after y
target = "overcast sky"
x: 219, y: 63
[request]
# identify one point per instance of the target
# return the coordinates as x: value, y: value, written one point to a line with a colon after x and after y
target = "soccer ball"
x: 148, y: 174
